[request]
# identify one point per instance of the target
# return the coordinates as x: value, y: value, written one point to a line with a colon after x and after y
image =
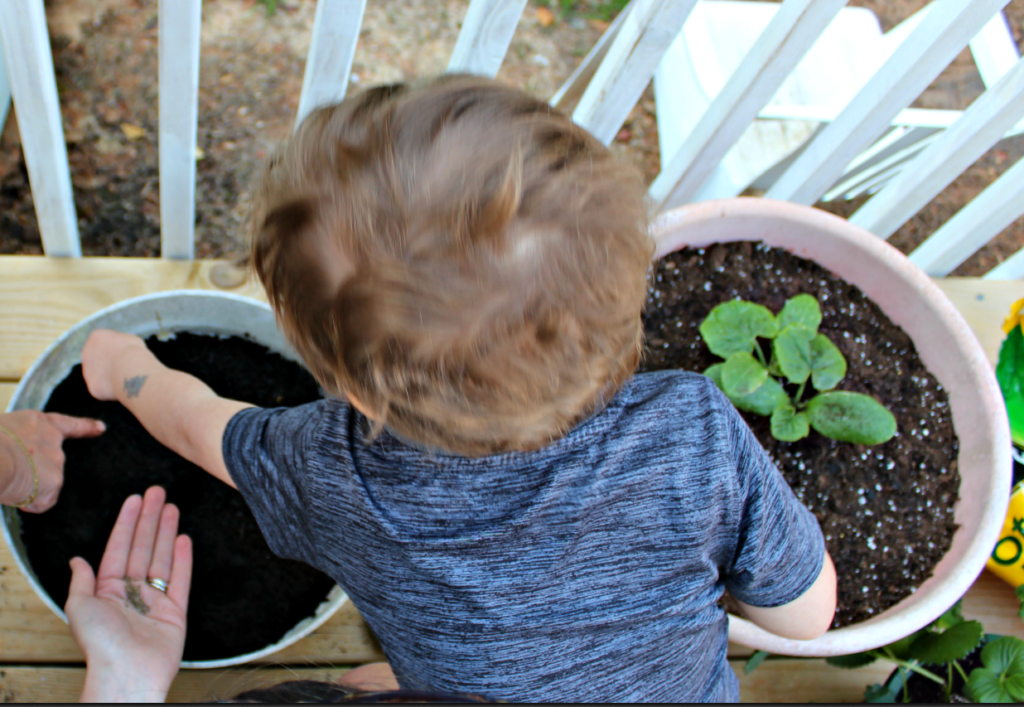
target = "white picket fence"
x: 600, y: 94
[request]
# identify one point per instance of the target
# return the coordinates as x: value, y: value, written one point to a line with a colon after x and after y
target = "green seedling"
x: 799, y: 356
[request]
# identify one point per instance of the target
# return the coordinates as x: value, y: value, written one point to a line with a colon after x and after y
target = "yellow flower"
x: 1015, y: 316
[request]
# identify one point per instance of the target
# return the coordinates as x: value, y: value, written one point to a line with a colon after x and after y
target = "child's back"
x: 465, y: 269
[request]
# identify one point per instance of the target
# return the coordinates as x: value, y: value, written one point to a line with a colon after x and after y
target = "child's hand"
x: 100, y: 358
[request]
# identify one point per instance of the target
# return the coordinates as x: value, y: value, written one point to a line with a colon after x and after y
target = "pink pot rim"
x: 677, y: 228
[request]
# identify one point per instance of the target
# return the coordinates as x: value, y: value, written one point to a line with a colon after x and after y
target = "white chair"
x: 852, y: 48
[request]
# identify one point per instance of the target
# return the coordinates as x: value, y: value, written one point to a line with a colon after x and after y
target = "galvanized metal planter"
x: 162, y: 314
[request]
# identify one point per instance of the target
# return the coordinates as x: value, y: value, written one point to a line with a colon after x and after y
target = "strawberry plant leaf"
x: 950, y: 618
x: 828, y: 366
x: 955, y: 643
x: 733, y: 327
x: 802, y: 309
x: 792, y: 349
x: 755, y: 659
x: 742, y: 374
x: 851, y: 417
x: 1010, y: 374
x: 1019, y: 591
x: 1004, y: 655
x: 788, y: 425
x: 854, y: 660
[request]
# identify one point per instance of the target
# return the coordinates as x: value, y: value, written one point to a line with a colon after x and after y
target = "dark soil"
x: 921, y: 690
x: 243, y: 598
x: 886, y: 511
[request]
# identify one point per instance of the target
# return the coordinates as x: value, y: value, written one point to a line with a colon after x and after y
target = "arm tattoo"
x: 133, y: 386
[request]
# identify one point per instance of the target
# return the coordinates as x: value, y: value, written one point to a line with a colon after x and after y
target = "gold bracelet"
x: 31, y: 465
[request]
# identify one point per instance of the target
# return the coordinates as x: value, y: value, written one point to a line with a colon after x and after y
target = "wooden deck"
x: 39, y: 662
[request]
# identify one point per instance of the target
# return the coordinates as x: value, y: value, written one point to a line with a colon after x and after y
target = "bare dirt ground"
x: 105, y: 55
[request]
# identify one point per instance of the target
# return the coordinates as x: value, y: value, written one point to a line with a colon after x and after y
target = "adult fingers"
x: 115, y: 557
x: 145, y: 533
x: 75, y: 427
x: 181, y: 572
x: 83, y: 581
x: 163, y: 551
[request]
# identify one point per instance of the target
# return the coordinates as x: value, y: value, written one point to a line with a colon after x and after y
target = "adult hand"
x: 100, y: 357
x: 42, y: 434
x: 132, y: 634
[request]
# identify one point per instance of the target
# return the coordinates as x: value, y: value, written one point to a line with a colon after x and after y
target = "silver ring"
x: 157, y: 584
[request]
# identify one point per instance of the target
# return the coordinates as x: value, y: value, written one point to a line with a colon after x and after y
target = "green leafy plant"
x: 799, y: 355
x: 941, y: 646
x: 1010, y: 373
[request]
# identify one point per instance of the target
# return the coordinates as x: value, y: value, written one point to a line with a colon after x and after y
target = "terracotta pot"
x: 162, y: 313
x: 947, y: 347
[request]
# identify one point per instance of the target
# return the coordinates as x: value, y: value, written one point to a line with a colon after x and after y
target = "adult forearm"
x: 121, y: 686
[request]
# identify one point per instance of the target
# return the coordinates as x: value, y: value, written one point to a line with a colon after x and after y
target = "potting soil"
x: 886, y: 510
x: 243, y: 598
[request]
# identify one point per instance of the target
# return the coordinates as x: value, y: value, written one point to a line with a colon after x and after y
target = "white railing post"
x: 627, y: 68
x: 929, y: 48
x: 792, y: 31
x: 485, y: 36
x: 34, y: 89
x: 179, y: 25
x: 331, y: 52
x: 953, y: 151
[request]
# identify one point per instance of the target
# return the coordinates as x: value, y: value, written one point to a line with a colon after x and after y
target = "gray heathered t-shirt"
x: 587, y: 571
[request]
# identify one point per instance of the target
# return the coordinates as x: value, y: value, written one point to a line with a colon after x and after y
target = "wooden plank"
x: 64, y: 684
x: 331, y: 51
x: 807, y: 680
x: 792, y: 31
x: 929, y: 48
x: 179, y: 23
x: 30, y: 632
x: 952, y: 152
x: 627, y: 68
x: 6, y: 391
x: 984, y: 304
x: 34, y: 87
x: 42, y: 297
x: 994, y: 50
x: 974, y: 225
x: 485, y: 36
x: 993, y: 602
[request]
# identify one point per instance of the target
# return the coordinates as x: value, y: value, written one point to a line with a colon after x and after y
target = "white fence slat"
x: 994, y: 50
x: 974, y: 225
x: 784, y: 42
x: 5, y: 86
x: 34, y: 88
x: 577, y: 83
x: 331, y: 51
x: 627, y: 68
x: 1010, y: 269
x: 928, y: 49
x: 953, y: 151
x: 179, y: 24
x: 485, y: 36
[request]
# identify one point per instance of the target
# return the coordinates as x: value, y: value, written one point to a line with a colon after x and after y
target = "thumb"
x: 83, y: 581
x: 75, y: 427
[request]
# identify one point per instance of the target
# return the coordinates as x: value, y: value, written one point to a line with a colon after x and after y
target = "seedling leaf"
x: 788, y: 425
x: 733, y: 327
x: 802, y: 309
x: 756, y: 658
x: 851, y: 417
x: 855, y: 660
x: 955, y: 643
x: 828, y: 366
x: 792, y: 349
x: 742, y: 374
x: 764, y: 400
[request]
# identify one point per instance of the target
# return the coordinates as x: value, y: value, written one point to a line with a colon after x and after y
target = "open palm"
x: 133, y: 634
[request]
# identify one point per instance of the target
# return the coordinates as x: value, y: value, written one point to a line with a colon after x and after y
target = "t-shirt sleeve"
x: 781, y: 550
x: 265, y: 453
